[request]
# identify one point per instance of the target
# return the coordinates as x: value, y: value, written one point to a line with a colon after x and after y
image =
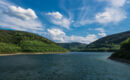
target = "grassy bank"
x: 29, y: 53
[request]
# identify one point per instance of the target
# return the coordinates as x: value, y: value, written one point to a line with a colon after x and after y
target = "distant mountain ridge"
x: 74, y: 46
x: 20, y: 41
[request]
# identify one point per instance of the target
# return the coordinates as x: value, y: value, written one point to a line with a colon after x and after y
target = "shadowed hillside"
x: 124, y: 52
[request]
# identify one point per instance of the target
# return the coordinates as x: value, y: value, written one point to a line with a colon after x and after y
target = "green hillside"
x: 74, y: 46
x: 124, y: 51
x: 108, y: 43
x: 19, y: 41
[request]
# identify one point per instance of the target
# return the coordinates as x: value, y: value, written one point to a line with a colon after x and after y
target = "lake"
x: 72, y: 66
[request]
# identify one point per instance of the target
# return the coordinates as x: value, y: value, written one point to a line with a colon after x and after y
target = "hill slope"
x: 74, y: 46
x: 124, y: 52
x: 109, y: 43
x: 18, y: 41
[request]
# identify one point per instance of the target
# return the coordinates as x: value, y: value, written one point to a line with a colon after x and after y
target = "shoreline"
x: 120, y: 60
x: 26, y: 53
x: 31, y: 53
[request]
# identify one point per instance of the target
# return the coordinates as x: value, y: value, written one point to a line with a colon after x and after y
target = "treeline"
x: 74, y: 46
x: 104, y: 48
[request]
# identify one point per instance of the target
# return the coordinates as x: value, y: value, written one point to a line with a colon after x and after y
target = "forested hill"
x: 108, y: 43
x: 19, y: 41
x: 74, y: 46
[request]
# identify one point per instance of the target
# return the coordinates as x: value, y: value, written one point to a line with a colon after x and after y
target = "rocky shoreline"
x: 120, y: 60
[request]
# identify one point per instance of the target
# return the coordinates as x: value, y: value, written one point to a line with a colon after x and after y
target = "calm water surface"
x: 73, y: 66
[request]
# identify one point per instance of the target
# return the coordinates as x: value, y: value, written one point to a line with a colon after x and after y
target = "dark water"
x: 73, y: 66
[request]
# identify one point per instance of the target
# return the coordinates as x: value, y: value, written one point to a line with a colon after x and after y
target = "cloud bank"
x: 113, y: 13
x: 60, y: 36
x: 18, y: 18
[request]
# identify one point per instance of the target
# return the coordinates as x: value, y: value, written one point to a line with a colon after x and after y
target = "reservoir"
x: 67, y: 66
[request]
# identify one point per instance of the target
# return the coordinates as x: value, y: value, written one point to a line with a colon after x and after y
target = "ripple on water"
x: 74, y: 66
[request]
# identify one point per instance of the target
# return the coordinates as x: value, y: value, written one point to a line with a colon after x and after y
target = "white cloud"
x: 20, y: 12
x: 60, y: 36
x: 57, y: 34
x: 113, y: 13
x: 18, y: 18
x: 118, y: 3
x: 58, y: 19
x: 18, y: 24
x: 102, y: 32
x: 56, y: 15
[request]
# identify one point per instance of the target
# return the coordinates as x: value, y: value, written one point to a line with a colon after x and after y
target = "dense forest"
x: 74, y: 46
x: 124, y: 52
x: 19, y: 41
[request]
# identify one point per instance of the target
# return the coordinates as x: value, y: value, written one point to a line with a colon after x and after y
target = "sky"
x: 64, y: 21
